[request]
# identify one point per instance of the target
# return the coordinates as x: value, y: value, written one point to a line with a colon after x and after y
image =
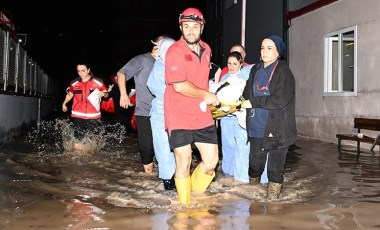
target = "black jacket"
x: 280, y: 130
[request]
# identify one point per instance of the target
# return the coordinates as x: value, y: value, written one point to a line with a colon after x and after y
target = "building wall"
x: 321, y: 117
x: 17, y: 112
x: 213, y: 30
x: 231, y: 28
x: 24, y: 88
x: 263, y: 18
x: 224, y: 26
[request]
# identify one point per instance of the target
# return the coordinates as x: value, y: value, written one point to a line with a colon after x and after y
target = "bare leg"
x: 183, y: 161
x: 209, y: 155
x: 148, y: 168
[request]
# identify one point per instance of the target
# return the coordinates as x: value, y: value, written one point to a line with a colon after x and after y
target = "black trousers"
x: 258, y: 157
x: 145, y: 138
x: 85, y: 126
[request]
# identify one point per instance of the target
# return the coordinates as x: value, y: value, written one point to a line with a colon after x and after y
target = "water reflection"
x: 43, y: 185
x: 235, y: 215
x: 83, y: 211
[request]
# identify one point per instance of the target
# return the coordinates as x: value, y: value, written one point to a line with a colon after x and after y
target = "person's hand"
x: 64, y: 108
x: 124, y: 101
x: 101, y: 94
x: 211, y: 99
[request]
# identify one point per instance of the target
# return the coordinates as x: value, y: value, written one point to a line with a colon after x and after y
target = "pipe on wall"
x: 243, y: 13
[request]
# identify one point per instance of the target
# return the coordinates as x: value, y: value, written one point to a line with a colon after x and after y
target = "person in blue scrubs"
x: 156, y: 84
x: 235, y: 146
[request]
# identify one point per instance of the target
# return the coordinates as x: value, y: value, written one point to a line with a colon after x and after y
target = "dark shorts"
x: 83, y: 126
x: 182, y: 137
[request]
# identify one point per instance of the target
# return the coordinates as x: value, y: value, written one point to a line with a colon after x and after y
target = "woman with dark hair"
x: 235, y: 146
x: 87, y: 91
x: 271, y: 125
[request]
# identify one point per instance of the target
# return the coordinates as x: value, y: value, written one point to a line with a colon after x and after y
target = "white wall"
x: 321, y: 117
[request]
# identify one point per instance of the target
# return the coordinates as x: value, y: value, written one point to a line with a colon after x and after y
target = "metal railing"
x: 19, y: 73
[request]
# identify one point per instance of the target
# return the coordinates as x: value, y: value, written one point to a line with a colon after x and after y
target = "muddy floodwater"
x: 42, y: 186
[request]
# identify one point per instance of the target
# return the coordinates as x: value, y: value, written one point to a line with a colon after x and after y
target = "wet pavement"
x: 44, y: 187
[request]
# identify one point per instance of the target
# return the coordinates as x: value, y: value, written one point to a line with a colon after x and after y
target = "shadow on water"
x: 44, y: 186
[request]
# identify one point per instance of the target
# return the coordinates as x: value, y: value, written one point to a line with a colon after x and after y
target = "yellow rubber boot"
x: 200, y: 181
x: 183, y: 187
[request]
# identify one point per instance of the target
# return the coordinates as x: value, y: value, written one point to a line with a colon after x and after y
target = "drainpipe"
x: 6, y: 61
x: 39, y: 115
x: 243, y: 13
x: 17, y: 66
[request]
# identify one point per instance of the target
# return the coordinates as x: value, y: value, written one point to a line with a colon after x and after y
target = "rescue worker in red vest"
x: 85, y: 113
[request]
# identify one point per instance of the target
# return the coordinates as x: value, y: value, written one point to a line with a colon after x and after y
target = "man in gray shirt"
x: 139, y: 68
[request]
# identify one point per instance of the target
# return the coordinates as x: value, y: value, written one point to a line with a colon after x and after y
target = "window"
x: 340, y: 77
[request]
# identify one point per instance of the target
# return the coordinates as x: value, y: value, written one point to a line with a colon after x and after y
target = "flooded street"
x: 44, y: 187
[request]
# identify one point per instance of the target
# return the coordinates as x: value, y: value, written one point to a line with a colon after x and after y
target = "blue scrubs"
x: 235, y: 149
x: 235, y: 145
x: 164, y: 156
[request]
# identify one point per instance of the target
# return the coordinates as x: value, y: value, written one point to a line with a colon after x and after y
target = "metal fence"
x: 19, y: 74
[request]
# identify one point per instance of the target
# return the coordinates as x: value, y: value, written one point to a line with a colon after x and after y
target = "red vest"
x: 82, y: 107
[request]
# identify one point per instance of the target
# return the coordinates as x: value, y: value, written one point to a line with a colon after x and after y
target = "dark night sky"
x: 107, y: 32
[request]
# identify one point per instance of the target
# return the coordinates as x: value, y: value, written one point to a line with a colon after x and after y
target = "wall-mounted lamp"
x: 21, y: 39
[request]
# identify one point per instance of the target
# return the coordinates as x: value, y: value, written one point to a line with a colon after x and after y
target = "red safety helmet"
x: 192, y: 15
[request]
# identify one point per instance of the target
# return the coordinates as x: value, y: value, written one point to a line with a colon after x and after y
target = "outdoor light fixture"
x: 21, y: 38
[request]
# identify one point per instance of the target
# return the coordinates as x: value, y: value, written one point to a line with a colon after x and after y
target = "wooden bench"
x: 361, y: 123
